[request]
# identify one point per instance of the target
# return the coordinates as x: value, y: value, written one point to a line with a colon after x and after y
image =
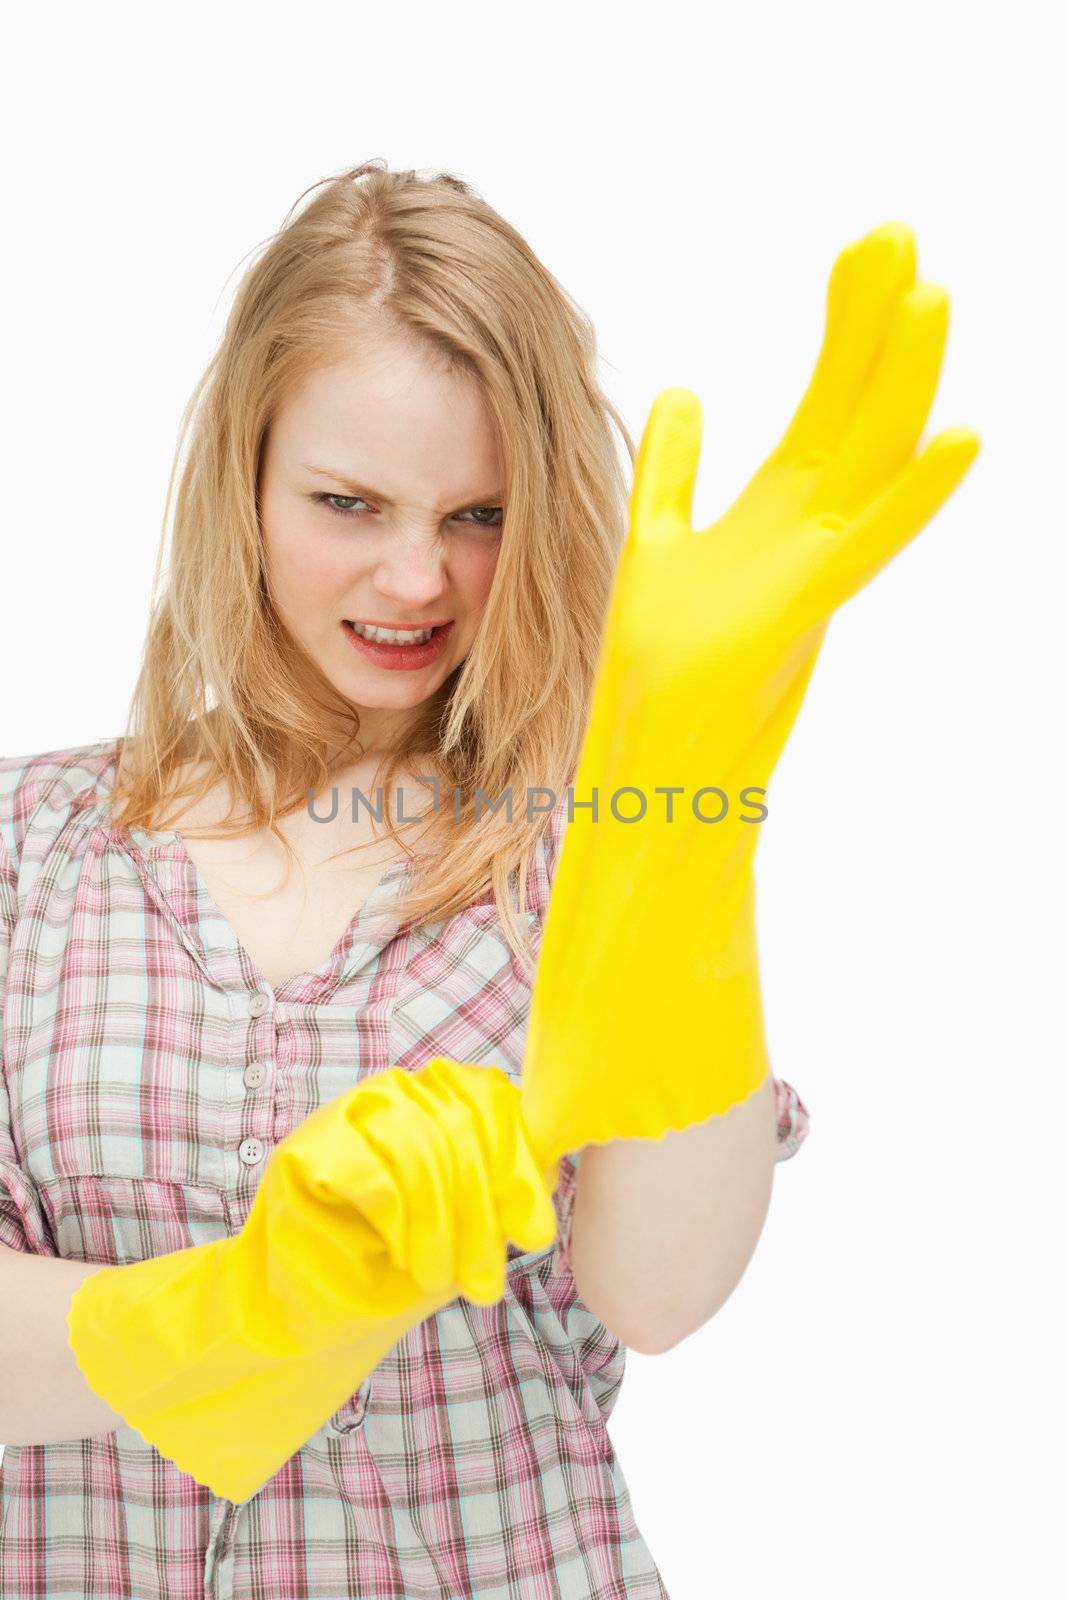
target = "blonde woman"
x: 275, y: 886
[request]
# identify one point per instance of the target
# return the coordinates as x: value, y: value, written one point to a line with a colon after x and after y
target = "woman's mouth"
x: 402, y: 657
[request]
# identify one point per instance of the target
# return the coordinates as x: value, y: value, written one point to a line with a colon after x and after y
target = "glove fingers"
x: 860, y: 550
x: 324, y: 1225
x: 665, y: 469
x: 411, y: 1138
x: 867, y: 280
x: 480, y: 1236
x: 519, y: 1186
x: 480, y: 1246
x: 477, y: 1248
x: 892, y: 414
x: 437, y: 1163
x: 448, y: 1161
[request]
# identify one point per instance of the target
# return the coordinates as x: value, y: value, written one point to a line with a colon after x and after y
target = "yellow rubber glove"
x: 646, y: 1013
x: 381, y: 1208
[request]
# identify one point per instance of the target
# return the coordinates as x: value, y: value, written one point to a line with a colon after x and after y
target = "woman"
x: 198, y: 957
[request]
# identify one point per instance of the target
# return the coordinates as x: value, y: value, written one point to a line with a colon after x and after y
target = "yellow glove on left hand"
x: 646, y: 1013
x: 372, y: 1215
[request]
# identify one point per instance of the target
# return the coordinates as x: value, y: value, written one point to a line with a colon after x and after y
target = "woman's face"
x: 381, y: 500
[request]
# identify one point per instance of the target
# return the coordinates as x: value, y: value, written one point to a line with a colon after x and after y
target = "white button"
x: 254, y: 1075
x: 251, y: 1151
x: 258, y: 1004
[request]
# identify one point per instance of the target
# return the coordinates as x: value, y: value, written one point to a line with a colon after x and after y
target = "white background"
x: 876, y: 1410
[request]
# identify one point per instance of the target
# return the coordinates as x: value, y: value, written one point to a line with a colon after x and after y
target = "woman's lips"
x: 400, y: 657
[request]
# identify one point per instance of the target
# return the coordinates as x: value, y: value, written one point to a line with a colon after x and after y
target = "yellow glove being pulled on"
x: 372, y: 1215
x: 646, y: 1014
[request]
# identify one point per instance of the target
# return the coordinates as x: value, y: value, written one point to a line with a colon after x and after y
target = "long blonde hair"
x: 431, y: 257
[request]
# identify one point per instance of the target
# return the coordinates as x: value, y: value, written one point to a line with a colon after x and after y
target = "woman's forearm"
x: 43, y: 1397
x: 663, y: 1229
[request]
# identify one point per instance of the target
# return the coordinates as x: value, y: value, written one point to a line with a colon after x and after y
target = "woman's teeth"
x: 392, y: 635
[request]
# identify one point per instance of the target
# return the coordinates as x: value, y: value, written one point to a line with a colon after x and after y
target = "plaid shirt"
x: 148, y: 1072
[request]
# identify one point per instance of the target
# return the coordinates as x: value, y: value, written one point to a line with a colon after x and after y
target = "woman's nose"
x: 414, y: 576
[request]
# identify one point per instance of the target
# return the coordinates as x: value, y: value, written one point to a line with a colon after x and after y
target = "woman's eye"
x: 339, y: 509
x: 343, y: 511
x: 343, y: 505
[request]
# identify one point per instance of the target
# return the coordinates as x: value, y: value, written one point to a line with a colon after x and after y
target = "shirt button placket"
x: 251, y: 1151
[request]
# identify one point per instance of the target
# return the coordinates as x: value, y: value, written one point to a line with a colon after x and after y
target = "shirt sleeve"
x: 22, y: 1220
x: 793, y: 1120
x: 564, y: 1201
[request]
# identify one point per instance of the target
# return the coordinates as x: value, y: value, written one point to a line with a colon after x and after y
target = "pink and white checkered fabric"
x: 141, y: 1094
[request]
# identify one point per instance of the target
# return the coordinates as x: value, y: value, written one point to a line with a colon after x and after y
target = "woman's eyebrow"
x: 494, y: 497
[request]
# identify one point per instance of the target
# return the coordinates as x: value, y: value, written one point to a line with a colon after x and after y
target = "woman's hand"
x: 646, y: 1011
x: 408, y: 1186
x: 369, y: 1217
x: 709, y: 630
